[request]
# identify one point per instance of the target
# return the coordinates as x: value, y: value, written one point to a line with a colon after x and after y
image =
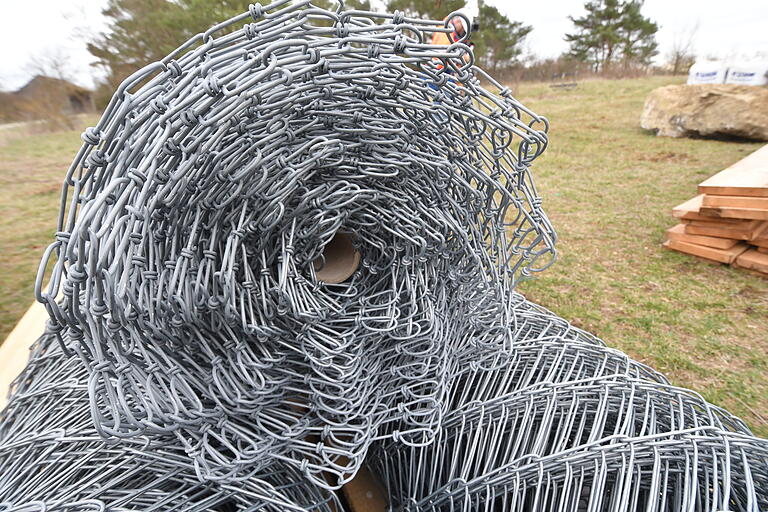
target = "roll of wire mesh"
x: 223, y: 184
x: 289, y: 250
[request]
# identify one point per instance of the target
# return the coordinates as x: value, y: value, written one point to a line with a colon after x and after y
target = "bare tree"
x: 682, y: 56
x: 54, y: 63
x: 48, y: 96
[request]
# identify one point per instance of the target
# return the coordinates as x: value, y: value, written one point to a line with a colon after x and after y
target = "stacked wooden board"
x: 728, y: 221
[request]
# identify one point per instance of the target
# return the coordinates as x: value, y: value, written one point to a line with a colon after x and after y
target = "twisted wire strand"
x: 560, y: 422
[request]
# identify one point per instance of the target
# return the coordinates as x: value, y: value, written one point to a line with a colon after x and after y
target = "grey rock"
x: 707, y: 110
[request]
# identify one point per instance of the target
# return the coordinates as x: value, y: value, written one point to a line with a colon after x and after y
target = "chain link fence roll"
x: 205, y: 214
x: 288, y: 251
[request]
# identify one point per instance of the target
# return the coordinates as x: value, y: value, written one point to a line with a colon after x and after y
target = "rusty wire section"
x: 195, y: 214
x: 223, y: 372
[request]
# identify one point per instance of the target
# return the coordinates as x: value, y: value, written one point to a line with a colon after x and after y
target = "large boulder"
x: 708, y: 110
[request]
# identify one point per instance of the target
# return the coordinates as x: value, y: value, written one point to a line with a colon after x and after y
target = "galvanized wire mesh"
x: 52, y: 458
x: 561, y: 422
x: 556, y: 422
x: 198, y: 208
x: 224, y: 372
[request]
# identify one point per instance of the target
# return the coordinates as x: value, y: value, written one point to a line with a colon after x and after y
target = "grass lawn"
x: 608, y: 187
x: 32, y: 169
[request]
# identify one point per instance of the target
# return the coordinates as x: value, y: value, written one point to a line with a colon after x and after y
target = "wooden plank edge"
x: 747, y: 177
x: 733, y: 191
x: 761, y: 203
x: 717, y: 232
x: 14, y: 352
x: 753, y: 260
x: 726, y: 256
x: 727, y: 212
x: 678, y: 233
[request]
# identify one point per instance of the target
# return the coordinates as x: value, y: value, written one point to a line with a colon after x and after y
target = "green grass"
x: 608, y: 187
x: 32, y: 169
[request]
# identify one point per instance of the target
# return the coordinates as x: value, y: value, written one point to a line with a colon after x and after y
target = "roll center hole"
x: 339, y: 260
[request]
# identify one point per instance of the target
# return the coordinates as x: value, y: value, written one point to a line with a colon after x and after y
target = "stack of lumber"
x: 728, y: 221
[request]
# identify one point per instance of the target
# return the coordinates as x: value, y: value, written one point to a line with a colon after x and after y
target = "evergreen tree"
x: 429, y: 9
x: 359, y: 5
x: 613, y: 31
x: 638, y: 35
x: 498, y: 43
x: 145, y: 31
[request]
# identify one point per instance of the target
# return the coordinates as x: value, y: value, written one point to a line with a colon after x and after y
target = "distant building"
x: 44, y: 97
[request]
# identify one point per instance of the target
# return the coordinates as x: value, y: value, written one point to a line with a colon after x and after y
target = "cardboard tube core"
x: 341, y: 260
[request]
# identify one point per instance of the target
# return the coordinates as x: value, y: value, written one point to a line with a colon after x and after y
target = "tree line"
x: 611, y: 34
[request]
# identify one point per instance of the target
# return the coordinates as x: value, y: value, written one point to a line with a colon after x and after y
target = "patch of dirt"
x: 667, y: 156
x: 47, y: 189
x: 750, y: 292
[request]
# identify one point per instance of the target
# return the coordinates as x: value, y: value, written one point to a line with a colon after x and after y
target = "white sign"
x: 707, y: 72
x: 751, y: 73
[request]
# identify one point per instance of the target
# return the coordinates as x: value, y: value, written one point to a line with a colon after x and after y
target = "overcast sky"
x: 31, y: 29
